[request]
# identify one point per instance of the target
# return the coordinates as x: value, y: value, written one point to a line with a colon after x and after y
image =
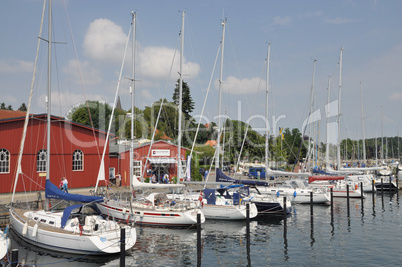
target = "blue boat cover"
x: 66, y: 214
x: 221, y: 177
x: 52, y: 191
x: 210, y: 196
x: 319, y: 171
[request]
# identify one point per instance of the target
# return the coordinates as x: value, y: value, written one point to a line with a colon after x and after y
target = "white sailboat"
x: 4, y: 243
x: 65, y: 231
x: 154, y: 209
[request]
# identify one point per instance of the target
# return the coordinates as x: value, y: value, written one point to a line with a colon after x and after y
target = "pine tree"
x: 188, y: 103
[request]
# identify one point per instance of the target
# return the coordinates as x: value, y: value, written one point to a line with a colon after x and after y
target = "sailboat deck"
x: 19, y: 215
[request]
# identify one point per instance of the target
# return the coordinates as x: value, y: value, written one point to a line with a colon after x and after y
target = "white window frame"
x: 137, y: 168
x: 78, y: 151
x: 41, y: 163
x: 4, y: 161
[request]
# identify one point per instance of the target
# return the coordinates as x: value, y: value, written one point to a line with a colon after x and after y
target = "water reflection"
x: 29, y: 255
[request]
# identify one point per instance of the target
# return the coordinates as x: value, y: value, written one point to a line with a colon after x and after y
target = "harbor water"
x: 369, y: 236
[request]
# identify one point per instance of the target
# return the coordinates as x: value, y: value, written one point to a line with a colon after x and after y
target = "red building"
x: 75, y: 152
x: 162, y: 159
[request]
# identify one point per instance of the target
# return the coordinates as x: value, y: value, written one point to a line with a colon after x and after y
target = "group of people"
x: 163, y: 179
x: 64, y: 184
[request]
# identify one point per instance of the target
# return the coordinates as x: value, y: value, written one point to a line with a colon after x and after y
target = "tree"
x: 100, y: 116
x: 23, y: 107
x: 187, y: 101
x: 3, y: 106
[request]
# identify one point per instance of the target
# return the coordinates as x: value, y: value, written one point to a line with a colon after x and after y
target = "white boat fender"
x: 25, y: 229
x: 141, y: 213
x: 124, y: 211
x: 35, y: 230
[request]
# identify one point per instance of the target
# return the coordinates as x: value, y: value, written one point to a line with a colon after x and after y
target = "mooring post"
x: 199, y: 239
x: 14, y: 258
x: 361, y: 193
x: 347, y: 197
x: 332, y: 204
x: 372, y: 189
x: 311, y: 203
x: 382, y: 186
x: 123, y: 247
x: 285, y: 218
x: 248, y: 224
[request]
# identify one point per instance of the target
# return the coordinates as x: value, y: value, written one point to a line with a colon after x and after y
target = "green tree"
x: 187, y: 101
x: 23, y: 107
x: 100, y: 114
x: 3, y: 106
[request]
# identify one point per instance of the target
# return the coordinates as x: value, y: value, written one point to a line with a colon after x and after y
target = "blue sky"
x: 299, y: 32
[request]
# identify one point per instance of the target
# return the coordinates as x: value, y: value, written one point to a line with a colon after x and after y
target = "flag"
x: 200, y: 198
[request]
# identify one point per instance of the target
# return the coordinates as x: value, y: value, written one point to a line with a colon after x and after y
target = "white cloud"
x: 337, y: 20
x: 105, y: 41
x: 90, y: 75
x: 396, y: 97
x: 156, y: 62
x: 242, y: 86
x: 16, y: 66
x: 283, y: 21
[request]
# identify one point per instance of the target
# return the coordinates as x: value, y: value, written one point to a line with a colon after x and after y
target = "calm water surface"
x: 370, y: 236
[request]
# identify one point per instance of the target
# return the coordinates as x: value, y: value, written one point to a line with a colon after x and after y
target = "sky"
x: 91, y: 38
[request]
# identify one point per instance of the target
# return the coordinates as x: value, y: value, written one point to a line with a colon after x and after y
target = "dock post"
x: 198, y: 239
x: 122, y: 247
x: 311, y: 203
x: 14, y: 258
x: 372, y: 189
x: 285, y: 218
x: 347, y: 197
x: 248, y: 224
x: 361, y: 194
x: 332, y: 204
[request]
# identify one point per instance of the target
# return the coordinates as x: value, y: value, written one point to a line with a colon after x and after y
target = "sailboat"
x: 4, y: 243
x: 154, y: 209
x: 72, y: 230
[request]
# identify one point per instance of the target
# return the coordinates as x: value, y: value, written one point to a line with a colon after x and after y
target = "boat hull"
x: 229, y: 212
x: 61, y: 240
x: 151, y: 216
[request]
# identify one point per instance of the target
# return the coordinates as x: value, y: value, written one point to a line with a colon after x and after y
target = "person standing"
x: 65, y: 184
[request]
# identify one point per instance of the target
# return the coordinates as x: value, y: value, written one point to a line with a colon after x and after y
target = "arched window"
x: 41, y: 160
x: 4, y: 161
x: 78, y: 160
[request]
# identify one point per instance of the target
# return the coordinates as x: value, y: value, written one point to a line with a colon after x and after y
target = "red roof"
x: 6, y: 114
x: 211, y: 143
x: 164, y: 136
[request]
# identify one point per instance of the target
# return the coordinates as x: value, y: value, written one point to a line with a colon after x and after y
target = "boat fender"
x: 141, y: 214
x: 25, y: 229
x: 277, y: 193
x: 35, y: 230
x: 356, y: 186
x: 124, y: 211
x: 294, y: 194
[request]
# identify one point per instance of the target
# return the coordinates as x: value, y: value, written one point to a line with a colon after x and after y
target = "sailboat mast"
x: 364, y: 129
x: 338, y: 154
x: 220, y: 96
x: 382, y: 138
x: 132, y: 92
x: 49, y: 60
x: 179, y: 168
x: 327, y: 116
x: 266, y: 115
x: 311, y: 112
